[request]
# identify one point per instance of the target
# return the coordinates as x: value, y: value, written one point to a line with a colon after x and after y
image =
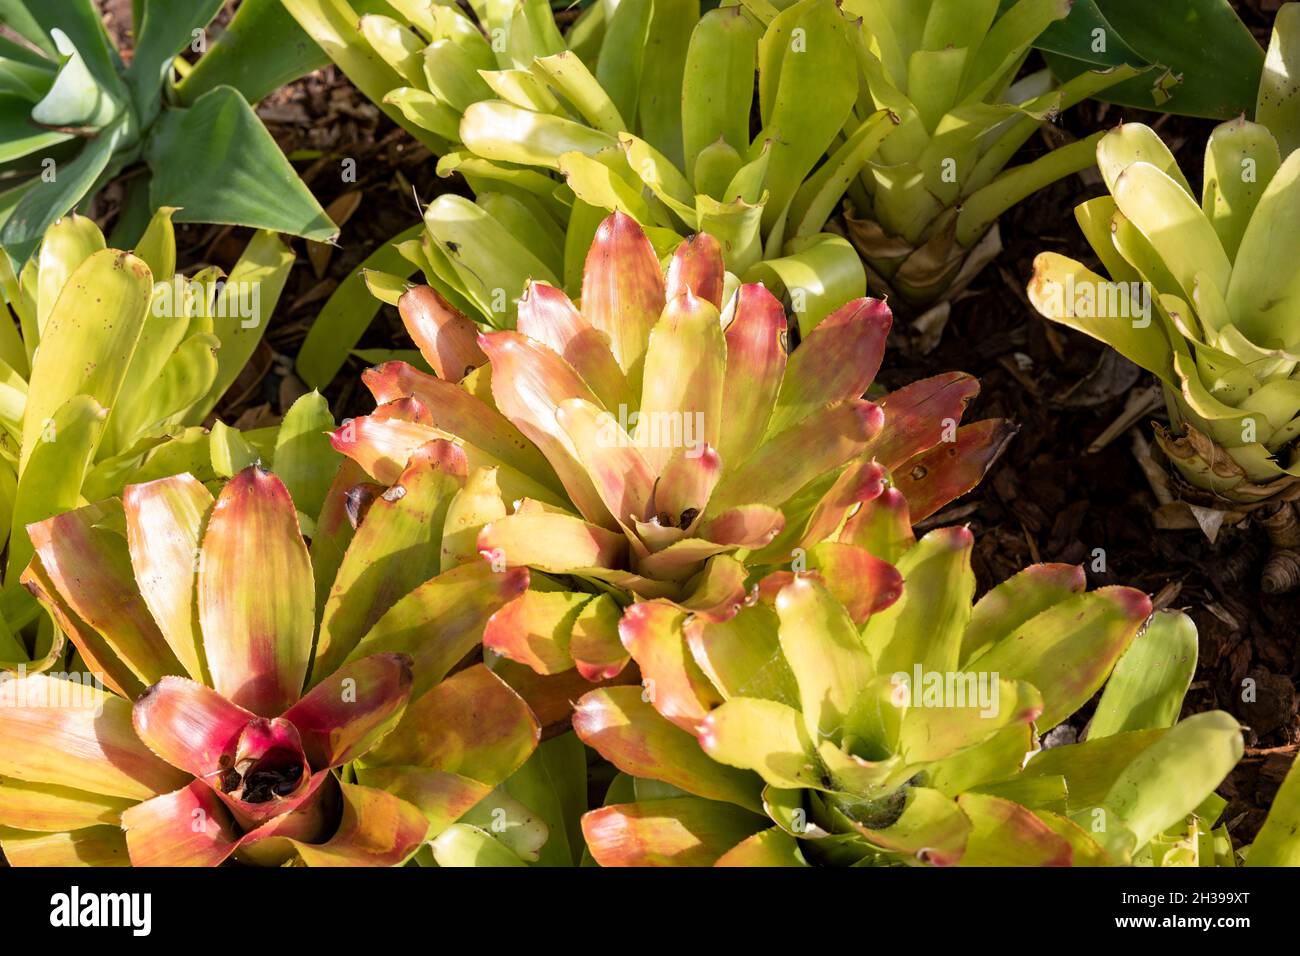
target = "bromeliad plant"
x: 653, y: 121
x: 303, y: 706
x: 928, y: 202
x: 803, y: 731
x: 700, y: 169
x: 654, y: 447
x: 111, y: 364
x: 551, y: 138
x: 1202, y: 290
x: 73, y: 116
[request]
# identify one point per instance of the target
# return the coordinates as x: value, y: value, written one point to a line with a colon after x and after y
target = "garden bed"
x: 1069, y: 488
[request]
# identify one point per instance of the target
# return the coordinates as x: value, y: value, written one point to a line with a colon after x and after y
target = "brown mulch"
x: 1048, y: 499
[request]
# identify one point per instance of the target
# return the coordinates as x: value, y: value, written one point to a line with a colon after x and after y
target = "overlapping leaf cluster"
x: 693, y: 123
x: 802, y: 732
x: 112, y: 365
x: 660, y: 442
x: 646, y: 490
x: 226, y: 696
x: 75, y: 113
x: 1202, y: 290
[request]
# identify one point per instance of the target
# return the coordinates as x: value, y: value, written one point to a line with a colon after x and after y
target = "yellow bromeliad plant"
x: 928, y: 202
x: 693, y: 122
x: 804, y: 731
x: 111, y: 364
x: 1202, y: 290
x: 660, y: 441
x: 308, y: 706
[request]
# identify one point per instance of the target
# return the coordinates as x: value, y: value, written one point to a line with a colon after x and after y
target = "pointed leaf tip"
x: 697, y: 266
x: 446, y: 338
x: 257, y: 639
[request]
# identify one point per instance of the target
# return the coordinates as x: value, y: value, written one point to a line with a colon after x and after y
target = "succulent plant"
x: 806, y: 731
x: 304, y: 707
x: 651, y: 445
x: 766, y: 197
x: 646, y: 111
x: 1201, y: 291
x: 949, y: 72
x: 77, y: 113
x: 112, y: 365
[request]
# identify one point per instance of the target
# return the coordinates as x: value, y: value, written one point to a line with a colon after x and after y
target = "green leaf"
x: 811, y: 65
x: 935, y: 732
x: 553, y: 784
x: 497, y: 130
x: 829, y: 660
x: 19, y: 135
x: 571, y: 79
x: 162, y: 30
x: 1144, y: 344
x: 661, y: 78
x: 1202, y: 43
x: 1278, y: 106
x: 1230, y: 198
x: 819, y: 274
x: 17, y: 17
x: 1067, y: 650
x: 261, y: 49
x: 925, y: 625
x: 45, y: 202
x: 51, y: 481
x: 244, y: 310
x: 718, y: 86
x: 820, y: 195
x: 76, y: 98
x: 332, y: 24
x: 66, y: 245
x: 157, y: 247
x: 1264, y: 287
x: 1174, y: 224
x: 763, y: 736
x: 626, y: 730
x: 304, y: 459
x: 1169, y: 779
x: 490, y: 265
x: 80, y: 22
x: 1003, y: 49
x: 231, y: 452
x: 1146, y: 689
x: 1008, y: 605
x: 622, y: 54
x: 217, y: 163
x: 89, y: 338
x: 401, y: 47
x: 532, y: 32
x: 1278, y: 841
x: 464, y: 845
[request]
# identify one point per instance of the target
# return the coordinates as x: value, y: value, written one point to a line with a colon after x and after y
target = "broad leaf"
x: 216, y: 161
